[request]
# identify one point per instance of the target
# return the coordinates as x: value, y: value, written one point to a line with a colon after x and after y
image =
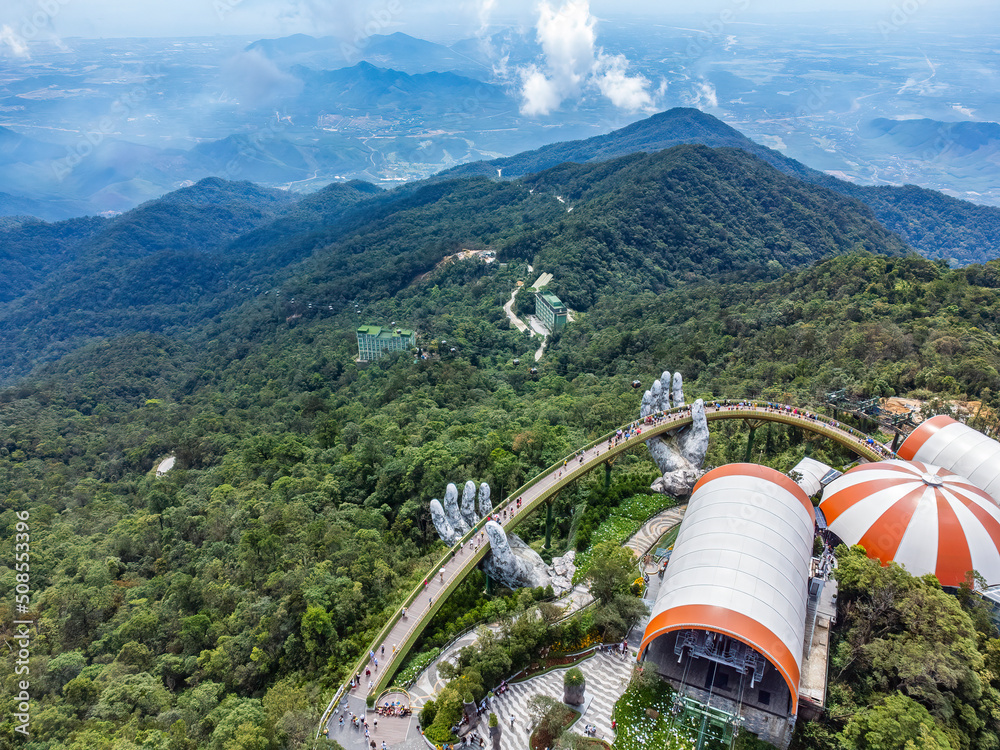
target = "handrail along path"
x: 401, y: 633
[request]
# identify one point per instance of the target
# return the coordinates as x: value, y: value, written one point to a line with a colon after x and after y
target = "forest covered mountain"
x: 220, y: 605
x: 686, y: 213
x: 936, y: 225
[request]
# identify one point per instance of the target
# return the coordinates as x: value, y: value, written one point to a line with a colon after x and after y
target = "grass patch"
x: 623, y: 522
x: 414, y: 666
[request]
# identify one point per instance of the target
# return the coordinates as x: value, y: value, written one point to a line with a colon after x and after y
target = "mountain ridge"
x: 916, y: 214
x: 690, y: 212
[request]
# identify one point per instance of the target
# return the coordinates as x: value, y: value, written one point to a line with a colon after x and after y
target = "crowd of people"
x: 395, y: 708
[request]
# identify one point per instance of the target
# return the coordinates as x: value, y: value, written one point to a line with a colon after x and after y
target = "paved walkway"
x: 404, y: 631
x: 610, y: 673
x: 607, y: 676
x: 644, y: 539
x: 508, y: 308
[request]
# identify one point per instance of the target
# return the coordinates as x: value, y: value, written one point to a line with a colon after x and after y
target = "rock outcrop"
x: 510, y: 562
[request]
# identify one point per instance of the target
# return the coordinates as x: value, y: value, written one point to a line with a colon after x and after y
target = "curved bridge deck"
x: 400, y: 633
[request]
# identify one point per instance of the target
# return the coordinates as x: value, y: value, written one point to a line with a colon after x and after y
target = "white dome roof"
x: 942, y: 441
x: 740, y: 565
x: 921, y: 516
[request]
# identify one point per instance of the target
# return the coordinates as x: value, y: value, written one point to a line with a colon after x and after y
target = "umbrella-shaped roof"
x: 924, y: 517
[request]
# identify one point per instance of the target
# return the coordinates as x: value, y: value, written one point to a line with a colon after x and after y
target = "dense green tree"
x: 897, y: 723
x: 612, y: 570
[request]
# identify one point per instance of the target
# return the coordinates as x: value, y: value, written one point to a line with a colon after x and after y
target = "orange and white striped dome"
x: 956, y: 447
x: 923, y: 517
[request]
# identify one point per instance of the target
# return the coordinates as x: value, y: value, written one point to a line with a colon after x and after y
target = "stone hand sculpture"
x: 511, y: 562
x: 452, y: 522
x: 678, y: 454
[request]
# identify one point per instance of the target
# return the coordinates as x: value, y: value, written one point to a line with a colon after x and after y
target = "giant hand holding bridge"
x: 452, y: 522
x: 679, y: 455
x: 511, y: 562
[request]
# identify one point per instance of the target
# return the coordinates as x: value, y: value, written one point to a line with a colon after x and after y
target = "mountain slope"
x: 674, y: 127
x: 686, y: 213
x: 369, y: 89
x: 936, y: 225
x: 93, y: 276
x: 15, y: 147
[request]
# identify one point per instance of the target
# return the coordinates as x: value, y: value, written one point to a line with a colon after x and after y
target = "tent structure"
x: 737, y: 578
x: 941, y: 441
x: 924, y: 517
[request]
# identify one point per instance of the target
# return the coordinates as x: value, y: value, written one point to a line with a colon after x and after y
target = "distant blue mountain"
x: 397, y: 51
x: 367, y: 88
x: 15, y: 148
x: 296, y: 44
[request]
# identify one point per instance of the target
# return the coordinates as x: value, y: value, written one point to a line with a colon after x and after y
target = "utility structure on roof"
x: 733, y: 625
x: 550, y: 311
x: 374, y: 341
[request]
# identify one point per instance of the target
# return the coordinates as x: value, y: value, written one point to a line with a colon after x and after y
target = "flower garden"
x: 637, y: 730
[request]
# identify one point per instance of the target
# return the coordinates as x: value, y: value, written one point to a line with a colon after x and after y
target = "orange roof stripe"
x: 734, y: 624
x: 846, y: 498
x: 927, y: 429
x: 984, y: 517
x: 759, y: 472
x: 954, y: 561
x: 883, y: 537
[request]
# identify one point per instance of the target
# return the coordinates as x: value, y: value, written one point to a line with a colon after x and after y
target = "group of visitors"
x: 395, y: 708
x: 621, y: 435
x: 776, y: 408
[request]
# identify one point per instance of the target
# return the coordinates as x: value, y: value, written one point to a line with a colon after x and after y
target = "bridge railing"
x: 749, y: 408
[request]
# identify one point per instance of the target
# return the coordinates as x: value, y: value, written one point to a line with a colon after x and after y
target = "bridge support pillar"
x: 548, y: 523
x: 753, y: 424
x: 608, y: 465
x: 895, y: 441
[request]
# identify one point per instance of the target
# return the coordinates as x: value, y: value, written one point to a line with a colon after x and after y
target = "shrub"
x: 574, y: 677
x: 439, y: 735
x: 427, y: 713
x: 493, y: 720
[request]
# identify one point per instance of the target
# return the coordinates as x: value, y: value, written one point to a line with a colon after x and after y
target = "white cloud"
x: 625, y: 92
x: 572, y: 63
x: 255, y: 80
x: 15, y: 45
x: 541, y: 95
x: 485, y: 12
x: 703, y: 96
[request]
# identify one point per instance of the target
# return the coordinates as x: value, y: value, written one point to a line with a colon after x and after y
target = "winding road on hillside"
x: 535, y: 328
x: 400, y: 633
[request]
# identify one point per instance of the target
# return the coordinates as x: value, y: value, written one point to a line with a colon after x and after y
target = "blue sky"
x: 440, y: 19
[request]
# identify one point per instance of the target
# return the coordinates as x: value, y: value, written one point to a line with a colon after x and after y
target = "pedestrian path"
x: 644, y: 539
x: 607, y: 677
x: 607, y: 685
x: 430, y: 682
